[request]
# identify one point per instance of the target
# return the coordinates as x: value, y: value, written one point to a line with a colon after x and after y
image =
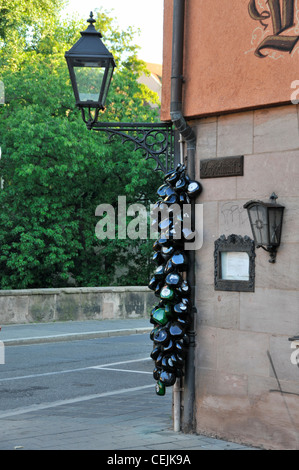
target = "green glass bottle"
x: 167, y: 293
x: 160, y: 316
x: 160, y: 388
x: 168, y: 310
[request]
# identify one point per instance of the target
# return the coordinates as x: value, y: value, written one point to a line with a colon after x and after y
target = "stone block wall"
x: 247, y: 389
x: 99, y: 303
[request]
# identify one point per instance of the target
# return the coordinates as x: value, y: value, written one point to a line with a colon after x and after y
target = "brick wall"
x: 247, y: 389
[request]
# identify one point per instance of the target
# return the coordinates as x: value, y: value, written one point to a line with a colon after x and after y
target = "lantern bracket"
x: 270, y: 249
x: 156, y: 140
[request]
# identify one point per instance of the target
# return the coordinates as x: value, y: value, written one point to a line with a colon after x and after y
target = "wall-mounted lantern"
x: 266, y: 224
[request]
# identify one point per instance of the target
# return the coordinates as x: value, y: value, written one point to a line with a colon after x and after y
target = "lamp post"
x: 157, y: 142
x: 266, y: 224
x: 91, y: 68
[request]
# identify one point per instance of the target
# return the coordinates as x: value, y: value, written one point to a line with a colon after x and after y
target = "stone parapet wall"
x: 47, y: 305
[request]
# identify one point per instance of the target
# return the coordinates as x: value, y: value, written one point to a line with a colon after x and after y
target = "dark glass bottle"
x: 181, y: 184
x: 167, y: 363
x: 156, y: 373
x: 168, y: 347
x: 167, y: 252
x: 168, y: 174
x: 160, y: 272
x: 162, y: 190
x: 167, y: 378
x: 181, y: 348
x: 172, y: 179
x: 164, y: 242
x: 155, y: 353
x: 158, y: 289
x: 176, y: 330
x: 174, y: 279
x: 186, y: 301
x: 184, y: 321
x: 177, y: 360
x: 172, y: 199
x: 179, y: 260
x: 155, y: 331
x: 157, y: 258
x: 181, y: 309
x: 156, y: 246
x: 185, y: 288
x: 153, y: 283
x: 162, y: 336
x: 184, y: 198
x: 170, y: 192
x: 169, y: 267
x: 194, y: 189
x: 158, y: 361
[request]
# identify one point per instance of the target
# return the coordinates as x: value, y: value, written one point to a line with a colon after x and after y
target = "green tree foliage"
x: 55, y: 171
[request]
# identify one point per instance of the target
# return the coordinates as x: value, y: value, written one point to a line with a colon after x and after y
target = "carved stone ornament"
x: 234, y: 244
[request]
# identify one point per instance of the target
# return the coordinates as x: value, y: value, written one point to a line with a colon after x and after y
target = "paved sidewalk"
x: 126, y: 420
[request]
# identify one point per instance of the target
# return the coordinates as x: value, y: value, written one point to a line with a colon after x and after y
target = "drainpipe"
x: 188, y: 134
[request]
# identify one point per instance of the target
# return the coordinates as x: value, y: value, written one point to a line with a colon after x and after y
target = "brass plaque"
x: 222, y: 167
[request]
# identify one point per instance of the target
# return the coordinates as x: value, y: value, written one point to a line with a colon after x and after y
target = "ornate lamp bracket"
x: 155, y: 139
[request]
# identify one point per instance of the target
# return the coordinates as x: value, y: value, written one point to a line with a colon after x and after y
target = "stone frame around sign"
x: 234, y: 243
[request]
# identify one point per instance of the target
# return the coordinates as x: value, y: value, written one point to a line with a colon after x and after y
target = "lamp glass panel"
x: 108, y: 80
x: 259, y: 221
x: 89, y: 82
x: 275, y: 219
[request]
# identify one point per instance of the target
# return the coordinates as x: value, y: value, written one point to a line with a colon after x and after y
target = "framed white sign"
x: 234, y: 259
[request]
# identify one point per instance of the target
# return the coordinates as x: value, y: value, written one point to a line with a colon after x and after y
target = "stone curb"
x: 74, y: 336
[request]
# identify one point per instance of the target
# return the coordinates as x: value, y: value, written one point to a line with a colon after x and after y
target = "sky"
x: 147, y: 16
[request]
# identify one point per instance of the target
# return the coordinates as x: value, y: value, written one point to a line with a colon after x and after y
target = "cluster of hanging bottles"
x: 170, y: 318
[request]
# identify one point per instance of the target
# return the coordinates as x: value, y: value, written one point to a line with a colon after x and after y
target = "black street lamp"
x: 91, y: 67
x: 266, y: 224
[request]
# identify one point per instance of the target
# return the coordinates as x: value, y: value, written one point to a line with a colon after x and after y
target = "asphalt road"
x: 47, y: 373
x: 96, y: 394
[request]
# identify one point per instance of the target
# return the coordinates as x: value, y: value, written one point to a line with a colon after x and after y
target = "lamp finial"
x: 91, y: 19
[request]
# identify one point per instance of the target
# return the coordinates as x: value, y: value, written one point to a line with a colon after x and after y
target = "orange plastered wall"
x: 238, y: 54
